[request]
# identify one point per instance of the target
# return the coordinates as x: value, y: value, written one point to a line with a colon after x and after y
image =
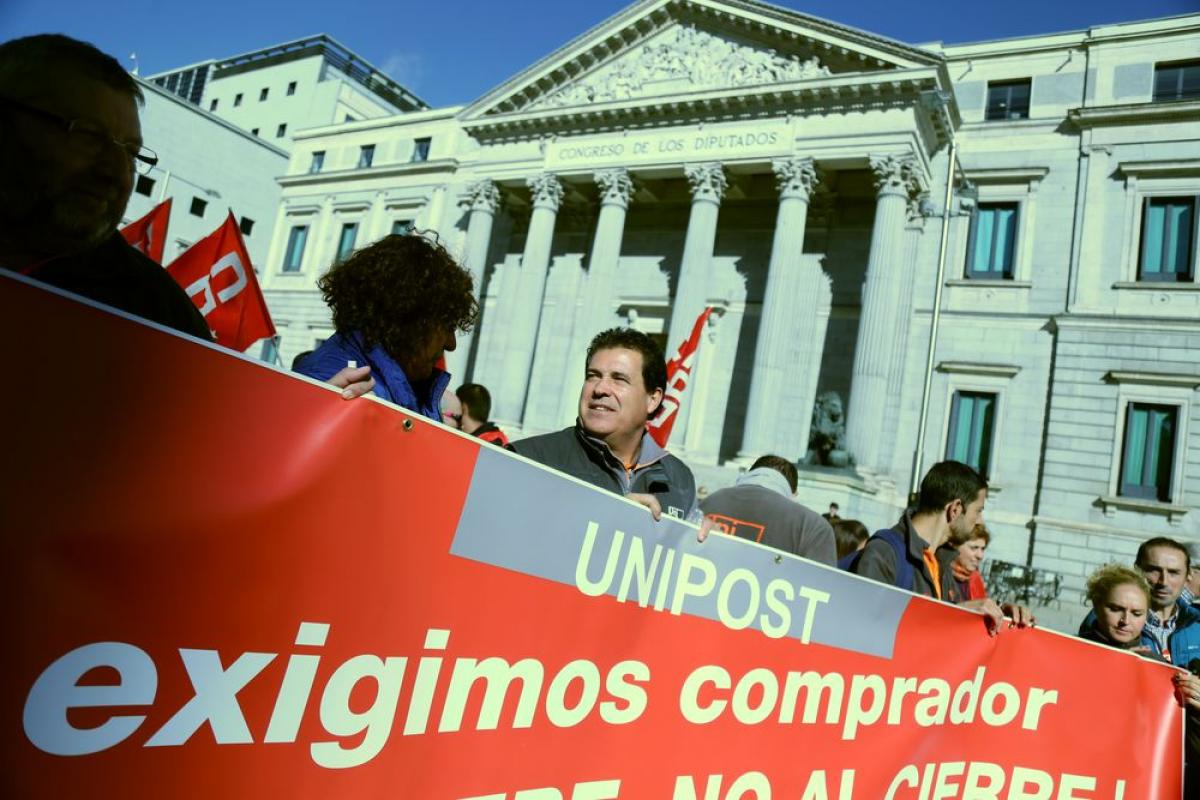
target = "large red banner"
x: 221, y: 580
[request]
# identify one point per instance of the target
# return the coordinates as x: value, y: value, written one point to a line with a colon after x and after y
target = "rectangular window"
x: 1008, y: 99
x: 262, y: 95
x: 144, y: 185
x: 295, y: 248
x: 421, y: 149
x: 402, y: 227
x: 318, y: 161
x: 291, y: 90
x: 346, y: 241
x: 366, y: 155
x: 198, y: 207
x: 992, y: 242
x: 1168, y: 239
x: 213, y: 105
x: 1178, y: 80
x: 237, y: 99
x: 254, y: 131
x: 246, y: 225
x: 348, y: 118
x: 972, y: 419
x: 281, y: 131
x: 1149, y: 451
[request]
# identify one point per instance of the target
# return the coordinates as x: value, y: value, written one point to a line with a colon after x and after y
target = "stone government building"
x: 789, y: 171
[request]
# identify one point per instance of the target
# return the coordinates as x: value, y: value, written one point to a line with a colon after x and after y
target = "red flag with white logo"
x: 149, y: 234
x: 217, y: 274
x: 679, y: 371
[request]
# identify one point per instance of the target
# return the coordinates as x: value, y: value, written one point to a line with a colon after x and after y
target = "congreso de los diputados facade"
x: 796, y: 175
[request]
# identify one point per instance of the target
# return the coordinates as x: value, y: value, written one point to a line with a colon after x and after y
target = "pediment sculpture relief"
x: 686, y: 60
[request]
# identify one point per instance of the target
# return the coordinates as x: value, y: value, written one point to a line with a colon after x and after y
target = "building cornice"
x: 1153, y: 378
x: 1134, y: 114
x: 987, y: 370
x: 438, y: 166
x: 858, y: 91
x: 1167, y: 168
x: 1007, y: 175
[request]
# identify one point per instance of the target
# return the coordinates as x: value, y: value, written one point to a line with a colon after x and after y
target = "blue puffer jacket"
x: 391, y: 383
x: 1184, y: 642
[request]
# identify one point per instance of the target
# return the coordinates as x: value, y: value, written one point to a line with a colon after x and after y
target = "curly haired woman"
x: 396, y: 305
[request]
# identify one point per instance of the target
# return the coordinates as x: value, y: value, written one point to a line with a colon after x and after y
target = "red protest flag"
x: 679, y: 370
x: 217, y: 274
x: 149, y: 234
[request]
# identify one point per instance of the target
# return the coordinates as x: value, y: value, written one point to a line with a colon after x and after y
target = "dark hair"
x: 654, y: 366
x: 848, y: 534
x: 26, y: 61
x: 781, y: 465
x: 476, y: 400
x: 299, y: 359
x: 397, y: 290
x: 946, y: 482
x: 1162, y: 541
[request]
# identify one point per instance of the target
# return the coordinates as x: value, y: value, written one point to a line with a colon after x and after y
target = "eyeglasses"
x: 90, y: 137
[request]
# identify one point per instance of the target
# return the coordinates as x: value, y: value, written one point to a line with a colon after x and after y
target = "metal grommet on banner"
x: 407, y: 425
x: 778, y: 559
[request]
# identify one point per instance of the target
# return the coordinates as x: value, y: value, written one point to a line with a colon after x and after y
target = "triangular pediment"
x: 664, y: 48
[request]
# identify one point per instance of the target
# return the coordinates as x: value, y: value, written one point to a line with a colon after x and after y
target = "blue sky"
x: 453, y: 51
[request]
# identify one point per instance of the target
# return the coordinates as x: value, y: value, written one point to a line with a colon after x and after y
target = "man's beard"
x: 42, y: 227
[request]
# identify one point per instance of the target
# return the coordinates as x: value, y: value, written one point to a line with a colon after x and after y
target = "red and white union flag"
x: 217, y: 274
x: 679, y: 371
x: 149, y: 234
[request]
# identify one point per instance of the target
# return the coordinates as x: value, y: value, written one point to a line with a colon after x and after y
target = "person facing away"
x: 476, y: 408
x: 396, y: 306
x: 609, y: 447
x: 761, y: 506
x: 70, y: 147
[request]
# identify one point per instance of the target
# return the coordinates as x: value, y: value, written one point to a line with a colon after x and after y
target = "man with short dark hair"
x: 476, y: 403
x: 609, y: 446
x: 761, y: 506
x: 950, y: 502
x: 1172, y: 625
x: 70, y: 145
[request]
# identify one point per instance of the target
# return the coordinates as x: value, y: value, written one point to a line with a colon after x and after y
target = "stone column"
x: 598, y: 311
x: 708, y: 184
x: 518, y: 358
x: 481, y: 201
x: 876, y: 326
x: 776, y: 418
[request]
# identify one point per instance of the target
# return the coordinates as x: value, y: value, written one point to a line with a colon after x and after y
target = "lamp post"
x: 937, y: 101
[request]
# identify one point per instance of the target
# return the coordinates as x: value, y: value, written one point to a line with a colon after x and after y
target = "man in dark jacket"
x: 70, y: 144
x: 762, y: 506
x: 609, y: 446
x: 951, y: 501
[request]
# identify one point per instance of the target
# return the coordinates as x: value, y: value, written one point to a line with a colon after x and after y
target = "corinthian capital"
x: 796, y: 177
x: 482, y: 196
x: 893, y: 174
x: 708, y: 181
x: 616, y: 187
x: 547, y: 190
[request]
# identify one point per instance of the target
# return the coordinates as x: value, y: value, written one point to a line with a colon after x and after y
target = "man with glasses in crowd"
x: 70, y: 144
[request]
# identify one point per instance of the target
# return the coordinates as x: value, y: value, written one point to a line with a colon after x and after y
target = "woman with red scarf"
x: 966, y: 582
